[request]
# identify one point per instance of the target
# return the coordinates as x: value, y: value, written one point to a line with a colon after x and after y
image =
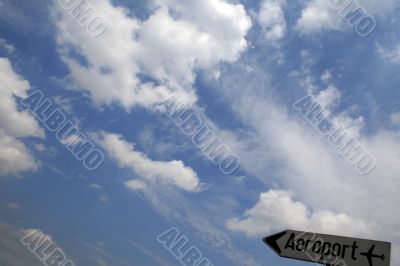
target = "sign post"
x: 329, y: 249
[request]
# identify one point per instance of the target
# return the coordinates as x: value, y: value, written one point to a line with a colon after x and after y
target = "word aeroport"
x: 355, y: 16
x: 65, y: 131
x: 322, y: 250
x: 179, y: 246
x: 86, y: 15
x: 44, y: 248
x: 202, y: 135
x: 339, y: 137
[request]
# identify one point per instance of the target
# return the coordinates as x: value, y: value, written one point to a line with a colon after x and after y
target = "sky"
x: 135, y: 81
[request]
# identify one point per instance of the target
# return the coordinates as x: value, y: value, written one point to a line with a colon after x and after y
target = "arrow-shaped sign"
x: 329, y: 249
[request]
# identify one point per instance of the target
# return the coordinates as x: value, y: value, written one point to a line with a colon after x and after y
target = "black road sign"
x: 330, y: 249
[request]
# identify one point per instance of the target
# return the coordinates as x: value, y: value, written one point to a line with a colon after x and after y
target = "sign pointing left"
x: 329, y: 249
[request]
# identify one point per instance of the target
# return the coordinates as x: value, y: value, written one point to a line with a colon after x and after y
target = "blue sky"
x: 240, y: 65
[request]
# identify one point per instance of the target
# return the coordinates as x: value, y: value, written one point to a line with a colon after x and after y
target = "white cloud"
x: 14, y: 156
x: 319, y: 15
x: 40, y: 147
x: 276, y: 210
x: 172, y: 172
x: 136, y: 184
x: 329, y: 97
x: 326, y: 76
x: 175, y: 41
x: 340, y: 224
x: 8, y: 47
x: 72, y: 140
x: 64, y: 103
x: 272, y: 19
x: 15, y: 124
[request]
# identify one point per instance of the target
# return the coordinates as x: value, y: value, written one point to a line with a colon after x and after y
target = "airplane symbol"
x: 371, y: 255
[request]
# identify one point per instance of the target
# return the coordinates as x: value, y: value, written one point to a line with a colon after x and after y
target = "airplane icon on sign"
x: 370, y: 255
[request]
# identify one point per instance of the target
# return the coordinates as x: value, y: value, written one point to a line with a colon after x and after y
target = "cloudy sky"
x: 238, y: 65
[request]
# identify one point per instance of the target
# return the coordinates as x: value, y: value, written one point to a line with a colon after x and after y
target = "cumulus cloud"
x: 272, y: 19
x: 277, y: 210
x: 15, y: 124
x: 167, y: 48
x: 172, y: 172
